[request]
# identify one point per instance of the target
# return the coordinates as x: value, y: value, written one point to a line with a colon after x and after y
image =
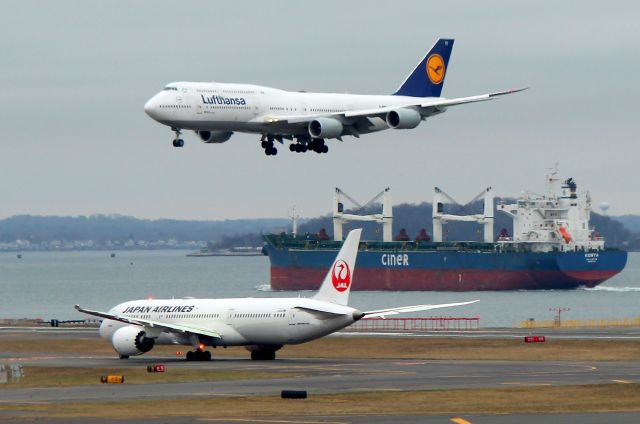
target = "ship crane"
x: 340, y: 218
x: 440, y: 218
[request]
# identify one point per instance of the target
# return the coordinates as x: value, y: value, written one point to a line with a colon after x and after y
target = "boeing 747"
x: 215, y: 111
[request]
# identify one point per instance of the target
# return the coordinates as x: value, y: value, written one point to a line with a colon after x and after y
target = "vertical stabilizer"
x: 427, y: 78
x: 337, y: 284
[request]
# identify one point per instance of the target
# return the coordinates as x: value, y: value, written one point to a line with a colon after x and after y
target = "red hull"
x: 287, y: 278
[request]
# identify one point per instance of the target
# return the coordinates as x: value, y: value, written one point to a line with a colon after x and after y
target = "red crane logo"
x: 341, y: 275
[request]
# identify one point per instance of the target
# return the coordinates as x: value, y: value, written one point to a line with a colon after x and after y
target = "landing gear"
x: 124, y: 356
x: 318, y: 146
x: 298, y: 147
x: 177, y: 141
x: 263, y: 355
x: 199, y: 355
x: 267, y: 144
x: 305, y: 144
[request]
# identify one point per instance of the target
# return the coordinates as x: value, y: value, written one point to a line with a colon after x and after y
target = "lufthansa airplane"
x: 261, y: 325
x: 216, y: 110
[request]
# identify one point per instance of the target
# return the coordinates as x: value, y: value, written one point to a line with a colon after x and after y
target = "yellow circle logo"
x: 435, y: 68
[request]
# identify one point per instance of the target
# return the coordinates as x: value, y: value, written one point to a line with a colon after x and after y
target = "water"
x: 48, y: 284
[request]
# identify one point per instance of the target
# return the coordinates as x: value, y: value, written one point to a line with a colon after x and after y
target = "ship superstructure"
x: 555, y: 221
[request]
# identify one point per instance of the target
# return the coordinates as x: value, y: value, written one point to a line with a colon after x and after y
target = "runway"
x: 320, y: 376
x: 316, y: 376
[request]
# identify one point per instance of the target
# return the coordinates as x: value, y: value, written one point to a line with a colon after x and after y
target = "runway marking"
x: 458, y: 420
x: 623, y: 381
x: 518, y: 383
x: 253, y: 420
x: 26, y: 402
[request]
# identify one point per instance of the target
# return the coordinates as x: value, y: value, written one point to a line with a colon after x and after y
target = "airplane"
x: 215, y: 111
x: 261, y: 325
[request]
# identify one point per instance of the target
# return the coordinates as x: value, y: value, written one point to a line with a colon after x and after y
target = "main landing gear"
x: 177, y: 141
x: 199, y: 355
x: 316, y: 144
x: 267, y: 144
x: 263, y: 355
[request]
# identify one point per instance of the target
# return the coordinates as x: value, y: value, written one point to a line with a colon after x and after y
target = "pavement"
x: 324, y: 376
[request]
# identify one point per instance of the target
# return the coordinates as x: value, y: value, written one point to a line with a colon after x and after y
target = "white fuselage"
x: 248, y: 108
x: 239, y: 322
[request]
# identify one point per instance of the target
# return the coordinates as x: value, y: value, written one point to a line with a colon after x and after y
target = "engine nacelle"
x: 131, y: 341
x: 214, y: 136
x: 325, y: 128
x: 403, y: 118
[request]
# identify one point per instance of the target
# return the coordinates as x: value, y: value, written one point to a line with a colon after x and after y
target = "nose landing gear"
x: 177, y: 141
x: 199, y: 355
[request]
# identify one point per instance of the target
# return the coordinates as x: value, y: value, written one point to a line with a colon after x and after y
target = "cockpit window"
x: 170, y: 89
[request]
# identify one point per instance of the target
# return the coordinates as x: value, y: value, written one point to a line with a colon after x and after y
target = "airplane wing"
x: 163, y: 326
x: 402, y: 309
x: 427, y: 108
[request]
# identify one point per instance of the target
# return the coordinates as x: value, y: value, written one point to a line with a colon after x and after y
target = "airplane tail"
x: 337, y: 284
x: 427, y: 78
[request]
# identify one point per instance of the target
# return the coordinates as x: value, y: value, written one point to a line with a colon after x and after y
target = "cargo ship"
x: 551, y: 247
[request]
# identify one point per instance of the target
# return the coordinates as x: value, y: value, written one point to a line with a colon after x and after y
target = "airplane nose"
x: 151, y: 107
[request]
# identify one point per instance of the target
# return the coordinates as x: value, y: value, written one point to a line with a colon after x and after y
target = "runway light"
x: 178, y: 353
x: 534, y: 339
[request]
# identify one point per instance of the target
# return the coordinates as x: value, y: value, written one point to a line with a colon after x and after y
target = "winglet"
x: 427, y: 78
x: 337, y: 283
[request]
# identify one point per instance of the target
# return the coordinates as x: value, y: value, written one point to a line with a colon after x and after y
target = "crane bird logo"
x: 435, y: 68
x: 341, y: 275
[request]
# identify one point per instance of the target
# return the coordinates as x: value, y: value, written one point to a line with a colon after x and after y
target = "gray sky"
x: 76, y: 74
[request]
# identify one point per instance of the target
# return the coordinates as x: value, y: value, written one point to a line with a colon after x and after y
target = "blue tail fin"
x: 428, y: 77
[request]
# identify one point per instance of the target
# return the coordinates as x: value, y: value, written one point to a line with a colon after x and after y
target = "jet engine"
x: 403, y: 118
x: 325, y: 128
x: 131, y: 341
x: 214, y: 136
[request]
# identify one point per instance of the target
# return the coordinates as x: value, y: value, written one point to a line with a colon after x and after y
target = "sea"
x: 47, y: 285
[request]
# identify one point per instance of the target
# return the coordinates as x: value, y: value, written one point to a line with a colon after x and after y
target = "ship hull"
x: 304, y: 269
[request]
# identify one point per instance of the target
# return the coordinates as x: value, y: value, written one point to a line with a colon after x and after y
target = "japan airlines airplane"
x: 261, y: 325
x: 216, y: 110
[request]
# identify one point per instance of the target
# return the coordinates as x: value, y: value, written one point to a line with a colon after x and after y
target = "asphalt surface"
x: 621, y: 333
x: 322, y: 376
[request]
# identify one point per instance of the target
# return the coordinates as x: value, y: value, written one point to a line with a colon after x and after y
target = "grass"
x: 586, y: 398
x: 377, y: 347
x: 71, y: 376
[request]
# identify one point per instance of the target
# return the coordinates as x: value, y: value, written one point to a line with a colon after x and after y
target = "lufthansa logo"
x: 435, y: 68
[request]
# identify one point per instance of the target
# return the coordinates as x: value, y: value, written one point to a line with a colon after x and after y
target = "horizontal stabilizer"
x: 416, y: 308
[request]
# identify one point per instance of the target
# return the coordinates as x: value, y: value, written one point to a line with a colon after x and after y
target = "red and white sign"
x: 341, y: 275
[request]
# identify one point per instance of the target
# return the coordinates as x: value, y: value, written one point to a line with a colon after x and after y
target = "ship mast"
x: 440, y: 218
x: 340, y: 218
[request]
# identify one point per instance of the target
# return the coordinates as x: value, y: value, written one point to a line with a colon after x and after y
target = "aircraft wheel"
x: 180, y: 143
x: 271, y: 151
x: 175, y: 143
x: 124, y: 356
x: 264, y: 144
x: 303, y: 148
x: 207, y: 356
x: 325, y: 149
x: 263, y: 355
x: 292, y: 147
x: 191, y: 356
